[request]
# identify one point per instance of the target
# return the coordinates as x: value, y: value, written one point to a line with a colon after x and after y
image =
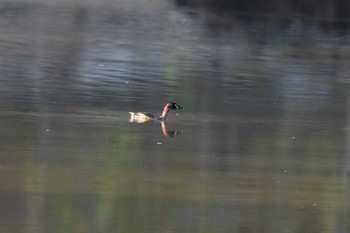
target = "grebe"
x: 142, y: 117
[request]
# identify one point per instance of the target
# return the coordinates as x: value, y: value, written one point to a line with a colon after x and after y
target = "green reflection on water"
x: 242, y: 166
x: 124, y: 180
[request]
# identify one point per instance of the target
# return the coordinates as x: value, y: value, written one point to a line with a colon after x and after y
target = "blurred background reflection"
x: 261, y: 146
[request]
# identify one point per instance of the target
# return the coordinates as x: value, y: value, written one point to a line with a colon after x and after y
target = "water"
x: 261, y: 146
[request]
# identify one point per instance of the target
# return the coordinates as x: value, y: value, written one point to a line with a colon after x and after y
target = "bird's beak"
x: 179, y: 107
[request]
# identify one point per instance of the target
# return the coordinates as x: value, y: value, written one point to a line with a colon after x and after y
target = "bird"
x: 142, y: 117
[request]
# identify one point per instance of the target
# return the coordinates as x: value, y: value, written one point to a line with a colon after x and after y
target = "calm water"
x: 261, y: 146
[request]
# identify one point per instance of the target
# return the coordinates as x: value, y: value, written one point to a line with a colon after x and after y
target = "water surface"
x: 261, y: 146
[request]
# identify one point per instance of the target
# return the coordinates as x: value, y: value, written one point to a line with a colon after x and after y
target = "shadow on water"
x: 261, y: 146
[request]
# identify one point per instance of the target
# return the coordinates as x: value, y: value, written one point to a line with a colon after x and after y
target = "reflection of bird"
x: 142, y: 117
x: 169, y: 133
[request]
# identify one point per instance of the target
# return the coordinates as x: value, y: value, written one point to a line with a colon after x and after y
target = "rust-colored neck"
x: 165, y: 111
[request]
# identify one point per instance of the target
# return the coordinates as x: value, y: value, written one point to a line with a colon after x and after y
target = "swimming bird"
x: 142, y: 117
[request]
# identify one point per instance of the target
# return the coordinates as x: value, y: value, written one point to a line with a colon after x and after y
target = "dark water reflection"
x: 262, y: 145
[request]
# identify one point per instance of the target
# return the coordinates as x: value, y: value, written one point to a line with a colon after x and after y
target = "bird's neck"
x: 164, y: 113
